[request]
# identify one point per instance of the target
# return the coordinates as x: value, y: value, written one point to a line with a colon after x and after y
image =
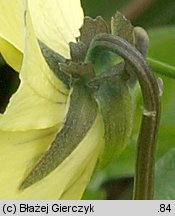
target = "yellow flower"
x: 37, y: 110
x: 11, y: 32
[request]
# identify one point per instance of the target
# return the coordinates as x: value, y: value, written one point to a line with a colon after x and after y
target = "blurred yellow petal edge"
x: 11, y: 22
x: 11, y: 55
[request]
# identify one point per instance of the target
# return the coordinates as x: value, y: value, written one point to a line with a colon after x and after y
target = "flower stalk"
x: 144, y: 178
x: 162, y: 68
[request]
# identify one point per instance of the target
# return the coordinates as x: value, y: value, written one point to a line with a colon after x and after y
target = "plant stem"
x: 144, y: 178
x: 162, y: 68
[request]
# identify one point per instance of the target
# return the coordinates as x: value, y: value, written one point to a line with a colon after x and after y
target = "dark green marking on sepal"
x: 116, y: 106
x: 81, y: 116
x: 111, y: 73
x: 53, y: 60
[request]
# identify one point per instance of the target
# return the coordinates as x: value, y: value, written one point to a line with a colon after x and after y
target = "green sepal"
x: 80, y: 117
x: 53, y: 60
x: 78, y: 71
x: 91, y: 28
x: 122, y: 27
x: 115, y: 94
x: 116, y: 106
x: 78, y: 51
x: 141, y: 40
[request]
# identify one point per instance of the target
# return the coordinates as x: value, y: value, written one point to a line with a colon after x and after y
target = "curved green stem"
x: 162, y: 68
x: 144, y: 179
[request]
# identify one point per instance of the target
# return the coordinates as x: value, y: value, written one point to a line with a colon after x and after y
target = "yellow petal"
x: 12, y: 32
x: 36, y: 71
x: 12, y: 55
x: 11, y: 22
x: 56, y: 22
x: 40, y: 101
x: 20, y: 150
x: 27, y: 110
x: 77, y: 188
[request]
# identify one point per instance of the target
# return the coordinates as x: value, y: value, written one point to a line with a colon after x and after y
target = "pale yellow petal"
x: 12, y: 55
x: 56, y: 22
x: 40, y: 101
x: 11, y: 22
x: 19, y: 151
x: 77, y: 189
x: 27, y: 110
x: 36, y: 71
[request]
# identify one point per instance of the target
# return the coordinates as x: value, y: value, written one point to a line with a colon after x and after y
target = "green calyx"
x: 102, y: 72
